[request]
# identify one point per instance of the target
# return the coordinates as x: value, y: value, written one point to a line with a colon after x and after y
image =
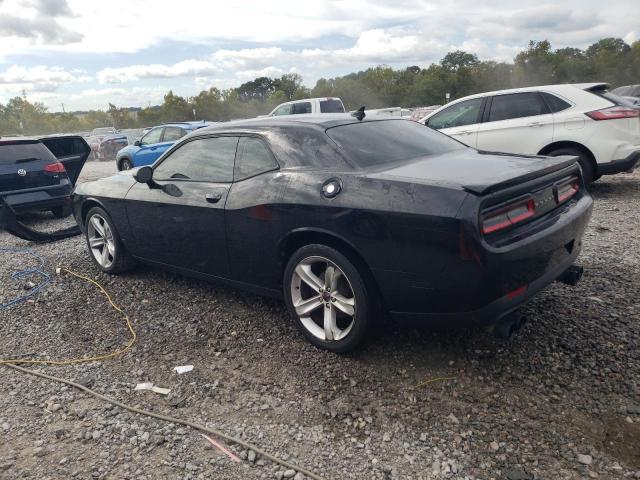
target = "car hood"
x: 127, y: 149
x: 475, y: 171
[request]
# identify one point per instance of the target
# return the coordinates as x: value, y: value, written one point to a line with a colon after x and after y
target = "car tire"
x: 61, y: 212
x: 125, y: 164
x: 333, y: 321
x: 105, y: 246
x: 588, y: 171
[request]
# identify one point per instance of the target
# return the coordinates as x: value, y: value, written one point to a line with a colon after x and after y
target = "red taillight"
x: 568, y: 189
x: 613, y: 113
x: 56, y: 167
x: 505, y: 217
x: 517, y: 292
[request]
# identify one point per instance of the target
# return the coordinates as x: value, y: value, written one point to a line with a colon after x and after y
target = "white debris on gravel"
x: 532, y: 408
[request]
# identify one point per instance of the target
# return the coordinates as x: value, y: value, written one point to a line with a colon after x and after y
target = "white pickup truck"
x: 309, y: 106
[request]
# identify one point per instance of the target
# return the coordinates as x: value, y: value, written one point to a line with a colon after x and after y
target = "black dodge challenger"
x: 343, y: 217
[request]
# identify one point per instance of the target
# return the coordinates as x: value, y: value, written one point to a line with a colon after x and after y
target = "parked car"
x: 309, y: 106
x: 39, y: 174
x: 389, y: 112
x: 111, y: 145
x: 419, y: 113
x: 630, y: 93
x: 95, y: 139
x: 153, y: 144
x: 584, y: 120
x: 341, y: 217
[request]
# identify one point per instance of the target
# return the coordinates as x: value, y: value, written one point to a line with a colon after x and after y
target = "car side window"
x: 516, y: 105
x: 458, y: 115
x: 253, y: 158
x: 209, y: 159
x: 301, y: 107
x: 153, y: 136
x: 555, y: 104
x: 171, y: 134
x: 283, y: 110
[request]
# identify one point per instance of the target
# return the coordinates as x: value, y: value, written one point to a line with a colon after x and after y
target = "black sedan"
x: 39, y: 174
x: 345, y: 217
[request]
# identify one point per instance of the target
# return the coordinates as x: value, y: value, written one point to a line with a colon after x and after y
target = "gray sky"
x: 85, y: 53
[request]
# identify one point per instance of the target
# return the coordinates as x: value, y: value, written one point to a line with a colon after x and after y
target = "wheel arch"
x: 87, y: 205
x: 569, y: 144
x: 124, y: 157
x: 306, y: 236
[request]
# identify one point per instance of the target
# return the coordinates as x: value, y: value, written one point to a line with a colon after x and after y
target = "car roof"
x: 322, y: 121
x: 196, y: 124
x: 557, y: 87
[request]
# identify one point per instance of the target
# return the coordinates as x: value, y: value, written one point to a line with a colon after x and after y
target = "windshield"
x: 387, y: 141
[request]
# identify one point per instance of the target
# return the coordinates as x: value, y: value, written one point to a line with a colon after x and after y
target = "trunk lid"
x: 476, y: 172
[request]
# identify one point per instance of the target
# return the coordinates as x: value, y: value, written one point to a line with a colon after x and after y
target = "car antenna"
x: 359, y: 114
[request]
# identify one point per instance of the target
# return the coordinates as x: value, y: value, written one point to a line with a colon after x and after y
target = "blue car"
x: 154, y: 143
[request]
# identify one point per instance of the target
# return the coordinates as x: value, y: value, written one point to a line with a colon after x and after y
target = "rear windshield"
x: 331, y: 105
x: 387, y: 141
x: 612, y: 97
x: 628, y: 91
x: 18, y: 152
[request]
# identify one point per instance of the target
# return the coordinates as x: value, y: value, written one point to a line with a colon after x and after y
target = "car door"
x: 516, y: 123
x: 459, y: 121
x: 149, y: 148
x: 180, y: 219
x: 252, y: 214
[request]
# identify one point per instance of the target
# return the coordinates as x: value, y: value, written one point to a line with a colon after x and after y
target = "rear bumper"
x: 38, y: 199
x: 618, y: 166
x: 496, y: 281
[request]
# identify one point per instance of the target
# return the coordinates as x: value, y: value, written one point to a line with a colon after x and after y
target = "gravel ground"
x: 561, y: 400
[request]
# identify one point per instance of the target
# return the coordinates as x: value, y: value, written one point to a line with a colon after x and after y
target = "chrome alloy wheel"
x: 323, y: 298
x: 101, y: 240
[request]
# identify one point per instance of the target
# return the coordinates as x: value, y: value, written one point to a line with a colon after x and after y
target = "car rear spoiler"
x: 10, y: 223
x: 71, y: 150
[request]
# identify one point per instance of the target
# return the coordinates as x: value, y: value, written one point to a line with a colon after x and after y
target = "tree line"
x: 459, y: 73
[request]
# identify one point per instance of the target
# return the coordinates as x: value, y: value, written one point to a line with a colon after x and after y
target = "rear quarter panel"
x: 402, y: 230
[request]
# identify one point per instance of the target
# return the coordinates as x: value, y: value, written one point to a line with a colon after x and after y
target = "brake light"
x: 505, y: 217
x: 568, y: 189
x: 55, y: 167
x: 613, y: 113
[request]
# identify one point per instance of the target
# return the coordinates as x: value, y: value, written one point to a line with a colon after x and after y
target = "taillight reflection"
x: 567, y: 190
x: 505, y: 217
x: 55, y: 167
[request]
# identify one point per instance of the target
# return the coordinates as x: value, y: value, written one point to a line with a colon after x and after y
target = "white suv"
x: 584, y: 120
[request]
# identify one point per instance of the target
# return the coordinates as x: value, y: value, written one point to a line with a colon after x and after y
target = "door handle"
x: 535, y: 124
x: 213, y: 197
x: 465, y: 132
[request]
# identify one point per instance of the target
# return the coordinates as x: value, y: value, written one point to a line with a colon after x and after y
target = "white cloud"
x: 185, y: 68
x: 134, y: 42
x: 39, y: 79
x: 372, y: 46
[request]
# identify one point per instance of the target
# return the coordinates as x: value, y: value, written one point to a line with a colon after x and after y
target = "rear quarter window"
x: 556, y: 104
x: 17, y: 152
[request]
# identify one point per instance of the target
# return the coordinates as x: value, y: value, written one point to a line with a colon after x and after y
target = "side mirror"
x: 144, y: 174
x: 137, y: 143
